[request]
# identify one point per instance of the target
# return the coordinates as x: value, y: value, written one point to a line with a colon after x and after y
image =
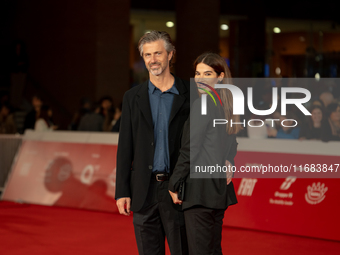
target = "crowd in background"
x: 102, y: 116
x: 323, y: 123
x: 96, y: 117
x: 18, y: 115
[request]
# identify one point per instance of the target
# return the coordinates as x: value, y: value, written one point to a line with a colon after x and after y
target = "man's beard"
x: 157, y: 71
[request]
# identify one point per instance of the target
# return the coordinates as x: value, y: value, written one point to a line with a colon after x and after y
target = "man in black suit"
x: 152, y: 120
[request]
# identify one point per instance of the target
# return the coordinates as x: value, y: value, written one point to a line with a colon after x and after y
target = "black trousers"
x: 157, y: 220
x: 204, y: 230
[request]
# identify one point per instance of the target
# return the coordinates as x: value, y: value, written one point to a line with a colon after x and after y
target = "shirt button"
x: 150, y: 167
x: 152, y: 144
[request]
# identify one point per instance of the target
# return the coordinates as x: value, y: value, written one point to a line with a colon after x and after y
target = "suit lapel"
x: 143, y: 103
x: 178, y: 99
x: 176, y: 105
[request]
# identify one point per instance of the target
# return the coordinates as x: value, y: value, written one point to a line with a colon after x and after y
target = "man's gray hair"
x: 153, y: 36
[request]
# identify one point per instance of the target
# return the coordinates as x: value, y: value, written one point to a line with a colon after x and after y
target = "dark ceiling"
x: 296, y: 9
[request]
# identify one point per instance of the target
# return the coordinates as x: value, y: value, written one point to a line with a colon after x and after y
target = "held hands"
x: 174, y: 197
x: 121, y: 202
x: 229, y: 171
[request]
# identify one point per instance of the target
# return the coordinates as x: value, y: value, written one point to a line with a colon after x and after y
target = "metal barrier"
x: 9, y: 145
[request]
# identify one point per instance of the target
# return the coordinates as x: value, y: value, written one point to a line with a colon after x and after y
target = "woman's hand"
x: 174, y: 197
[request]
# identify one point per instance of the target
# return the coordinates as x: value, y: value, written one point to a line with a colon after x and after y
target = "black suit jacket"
x: 205, y: 145
x: 136, y: 140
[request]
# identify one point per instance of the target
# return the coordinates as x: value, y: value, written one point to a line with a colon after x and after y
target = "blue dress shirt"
x: 161, y: 104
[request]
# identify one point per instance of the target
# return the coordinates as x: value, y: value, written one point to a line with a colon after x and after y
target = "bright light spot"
x: 169, y: 24
x: 147, y: 31
x: 224, y: 27
x: 317, y: 76
x: 278, y: 70
x: 276, y: 30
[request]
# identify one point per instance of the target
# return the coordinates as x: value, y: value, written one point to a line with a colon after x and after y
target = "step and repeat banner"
x: 78, y: 169
x: 72, y: 169
x: 307, y: 207
x: 303, y: 202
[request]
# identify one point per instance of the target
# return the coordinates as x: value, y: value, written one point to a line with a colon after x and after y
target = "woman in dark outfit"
x: 207, y: 196
x: 312, y: 129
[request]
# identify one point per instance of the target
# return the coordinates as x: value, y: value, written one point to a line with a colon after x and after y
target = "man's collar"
x: 151, y: 87
x: 172, y: 90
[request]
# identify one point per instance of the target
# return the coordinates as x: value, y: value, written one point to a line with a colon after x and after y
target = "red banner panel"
x: 82, y: 175
x: 299, y: 206
x: 64, y: 174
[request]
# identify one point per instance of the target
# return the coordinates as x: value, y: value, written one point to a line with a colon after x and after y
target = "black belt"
x: 160, y: 177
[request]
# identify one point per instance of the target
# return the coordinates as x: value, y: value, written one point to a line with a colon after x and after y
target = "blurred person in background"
x: 327, y: 98
x: 312, y: 128
x: 256, y: 129
x: 331, y: 131
x: 33, y: 115
x: 286, y: 131
x: 85, y: 107
x: 7, y: 124
x: 116, y: 119
x: 92, y: 121
x: 44, y: 121
x: 319, y: 103
x: 107, y: 111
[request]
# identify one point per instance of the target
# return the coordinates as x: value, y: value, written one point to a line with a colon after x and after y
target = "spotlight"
x: 169, y: 24
x: 276, y: 30
x: 317, y: 76
x: 278, y: 70
x: 224, y: 27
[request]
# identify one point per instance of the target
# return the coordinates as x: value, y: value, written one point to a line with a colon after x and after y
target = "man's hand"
x: 174, y: 197
x: 229, y: 171
x: 121, y: 202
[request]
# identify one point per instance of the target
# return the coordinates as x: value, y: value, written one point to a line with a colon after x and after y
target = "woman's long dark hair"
x: 310, y: 121
x: 219, y: 65
x: 331, y: 108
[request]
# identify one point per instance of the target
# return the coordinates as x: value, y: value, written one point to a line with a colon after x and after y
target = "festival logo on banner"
x: 315, y: 193
x: 246, y: 187
x: 287, y: 183
x: 279, y: 196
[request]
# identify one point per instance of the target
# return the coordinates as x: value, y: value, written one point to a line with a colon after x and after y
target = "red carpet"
x: 32, y: 229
